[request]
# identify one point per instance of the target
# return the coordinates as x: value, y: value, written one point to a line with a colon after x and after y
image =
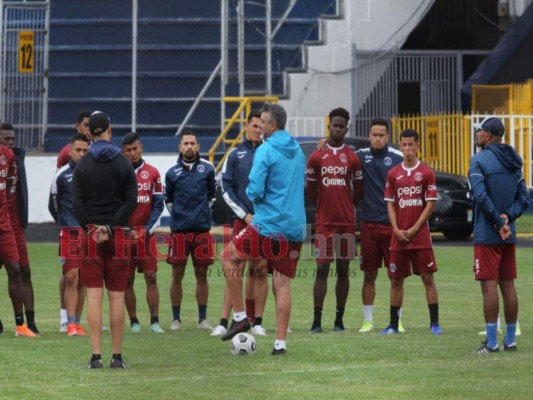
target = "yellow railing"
x: 238, y: 117
x: 513, y: 98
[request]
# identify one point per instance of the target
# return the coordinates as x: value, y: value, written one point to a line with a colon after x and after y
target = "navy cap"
x: 98, y: 123
x: 491, y: 124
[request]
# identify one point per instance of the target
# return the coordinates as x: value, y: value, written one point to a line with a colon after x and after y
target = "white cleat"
x: 204, y: 325
x: 63, y: 326
x: 219, y: 331
x: 258, y: 330
x: 176, y: 325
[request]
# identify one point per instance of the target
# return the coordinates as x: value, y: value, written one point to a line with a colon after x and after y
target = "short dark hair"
x: 409, y: 133
x: 130, y: 138
x: 7, y: 127
x: 78, y: 137
x: 339, y: 112
x: 379, y: 121
x: 188, y: 133
x: 277, y: 114
x: 83, y: 114
x: 253, y: 114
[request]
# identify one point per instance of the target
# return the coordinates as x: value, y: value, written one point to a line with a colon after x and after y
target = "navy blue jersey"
x: 60, y: 199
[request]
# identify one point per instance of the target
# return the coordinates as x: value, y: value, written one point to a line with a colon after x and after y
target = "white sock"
x: 280, y: 344
x: 63, y: 315
x: 368, y: 311
x: 239, y: 316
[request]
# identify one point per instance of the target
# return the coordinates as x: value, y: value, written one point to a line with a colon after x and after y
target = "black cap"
x: 491, y: 124
x: 98, y: 123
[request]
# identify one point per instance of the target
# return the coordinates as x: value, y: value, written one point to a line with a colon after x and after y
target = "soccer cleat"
x: 401, y: 329
x: 435, y: 329
x: 95, y: 363
x: 484, y: 349
x: 339, y: 327
x: 509, y: 347
x: 136, y: 327
x: 176, y: 325
x: 218, y: 331
x: 289, y: 330
x: 156, y: 328
x: 81, y: 331
x: 258, y: 330
x: 23, y: 330
x: 117, y: 363
x: 389, y: 330
x: 518, y: 330
x: 237, y: 327
x: 1, y: 327
x: 72, y: 330
x: 34, y: 329
x: 204, y: 325
x: 315, y: 328
x: 279, y: 352
x: 63, y: 327
x: 367, y: 327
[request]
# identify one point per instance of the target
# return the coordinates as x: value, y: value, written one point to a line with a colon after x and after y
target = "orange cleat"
x: 81, y: 331
x: 23, y: 330
x: 72, y: 330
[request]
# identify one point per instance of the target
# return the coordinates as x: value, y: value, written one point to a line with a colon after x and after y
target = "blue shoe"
x: 389, y: 331
x: 435, y: 329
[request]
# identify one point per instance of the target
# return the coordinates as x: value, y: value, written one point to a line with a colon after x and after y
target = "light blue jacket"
x: 276, y: 187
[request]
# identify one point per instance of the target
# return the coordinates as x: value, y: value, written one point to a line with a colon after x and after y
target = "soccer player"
x: 277, y: 230
x: 18, y: 214
x: 376, y: 231
x: 335, y: 185
x: 142, y: 222
x: 500, y: 197
x: 61, y: 209
x: 411, y: 193
x: 8, y: 246
x: 235, y: 173
x: 190, y: 190
x: 104, y: 194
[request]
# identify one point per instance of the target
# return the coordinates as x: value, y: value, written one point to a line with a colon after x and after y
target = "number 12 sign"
x: 26, y: 51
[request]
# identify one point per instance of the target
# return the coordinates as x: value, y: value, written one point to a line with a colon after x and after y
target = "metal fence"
x: 23, y: 69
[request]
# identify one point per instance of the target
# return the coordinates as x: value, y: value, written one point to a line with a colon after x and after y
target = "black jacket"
x: 104, y: 187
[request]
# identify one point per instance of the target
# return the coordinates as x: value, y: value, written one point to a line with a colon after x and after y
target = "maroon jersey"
x: 63, y: 157
x: 8, y: 184
x: 409, y: 189
x: 148, y: 185
x: 335, y: 183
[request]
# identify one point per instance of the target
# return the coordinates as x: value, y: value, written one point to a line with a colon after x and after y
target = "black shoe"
x: 509, y: 347
x: 95, y: 363
x: 279, y: 352
x: 484, y: 349
x: 117, y: 363
x: 34, y: 329
x: 237, y: 327
x: 1, y: 327
x: 339, y: 327
x: 315, y: 328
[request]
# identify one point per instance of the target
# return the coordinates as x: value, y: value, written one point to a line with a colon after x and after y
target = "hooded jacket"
x: 276, y: 187
x: 104, y: 187
x: 498, y: 187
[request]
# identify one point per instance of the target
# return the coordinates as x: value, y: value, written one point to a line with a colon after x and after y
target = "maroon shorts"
x: 199, y: 245
x: 106, y: 262
x: 282, y: 255
x: 237, y: 226
x: 421, y: 260
x: 8, y: 247
x: 71, y: 244
x: 495, y: 262
x: 375, y: 245
x: 334, y: 242
x: 144, y: 253
x: 22, y: 248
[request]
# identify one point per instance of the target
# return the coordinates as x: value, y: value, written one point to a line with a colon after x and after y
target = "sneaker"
x: 258, y: 330
x: 401, y: 329
x: 219, y: 331
x: 176, y: 325
x: 509, y: 347
x: 1, y: 327
x: 339, y: 327
x: 23, y: 330
x: 237, y: 327
x: 289, y: 330
x: 389, y: 331
x: 279, y: 352
x: 204, y: 325
x: 95, y: 363
x: 34, y: 329
x: 72, y: 330
x: 484, y: 349
x: 435, y: 329
x: 136, y: 327
x: 315, y: 328
x: 63, y: 327
x: 81, y: 331
x: 116, y: 363
x: 156, y: 328
x: 367, y: 327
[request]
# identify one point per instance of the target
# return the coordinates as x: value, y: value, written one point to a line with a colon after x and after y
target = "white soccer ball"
x: 243, y: 344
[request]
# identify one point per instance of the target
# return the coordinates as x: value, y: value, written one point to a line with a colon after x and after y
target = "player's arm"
x: 157, y: 203
x: 312, y: 174
x: 77, y: 191
x: 211, y: 186
x: 422, y: 219
x: 479, y: 191
x: 390, y: 200
x: 520, y: 202
x: 169, y: 191
x: 256, y: 188
x: 357, y: 173
x: 130, y: 197
x: 54, y: 198
x: 228, y: 187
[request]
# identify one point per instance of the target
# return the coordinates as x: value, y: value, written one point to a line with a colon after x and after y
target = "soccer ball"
x: 243, y: 344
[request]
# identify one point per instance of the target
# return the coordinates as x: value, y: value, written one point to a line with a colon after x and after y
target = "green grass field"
x: 190, y: 364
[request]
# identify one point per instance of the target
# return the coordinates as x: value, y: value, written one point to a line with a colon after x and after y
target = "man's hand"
x: 101, y: 234
x: 505, y: 232
x: 248, y: 218
x: 321, y: 145
x: 402, y: 236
